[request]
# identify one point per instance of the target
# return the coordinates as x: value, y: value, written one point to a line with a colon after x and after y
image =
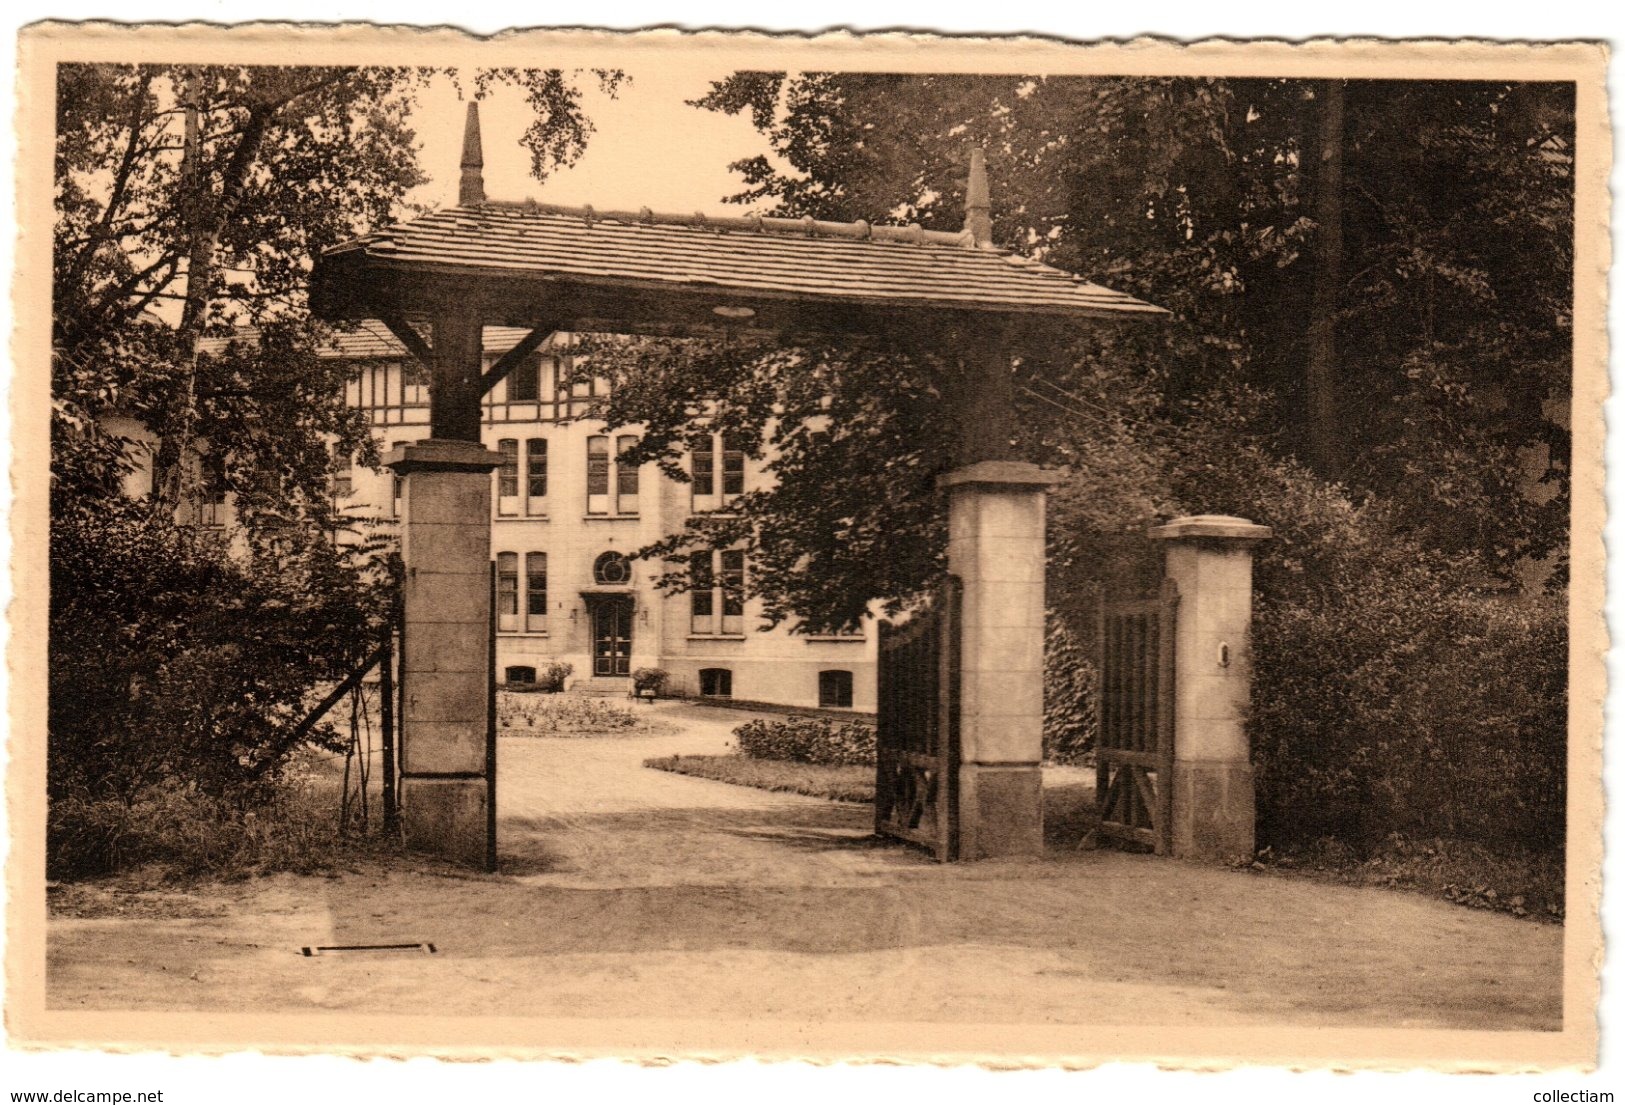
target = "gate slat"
x: 917, y: 726
x: 1134, y: 710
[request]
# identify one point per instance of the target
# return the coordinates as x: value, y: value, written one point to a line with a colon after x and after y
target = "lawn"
x: 839, y: 784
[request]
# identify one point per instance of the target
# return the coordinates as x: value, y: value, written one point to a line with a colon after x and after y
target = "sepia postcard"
x: 878, y: 547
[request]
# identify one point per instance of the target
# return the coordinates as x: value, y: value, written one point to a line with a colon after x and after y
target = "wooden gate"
x: 917, y: 727
x: 1134, y: 752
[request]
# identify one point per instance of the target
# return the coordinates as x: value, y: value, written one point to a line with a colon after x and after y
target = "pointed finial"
x: 471, y: 190
x: 978, y: 208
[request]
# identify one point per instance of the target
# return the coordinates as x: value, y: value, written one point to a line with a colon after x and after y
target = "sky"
x: 650, y: 148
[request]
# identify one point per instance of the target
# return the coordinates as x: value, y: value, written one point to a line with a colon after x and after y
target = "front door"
x: 612, y: 638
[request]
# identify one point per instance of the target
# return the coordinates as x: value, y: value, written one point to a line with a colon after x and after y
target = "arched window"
x: 835, y: 689
x: 716, y: 682
x: 519, y: 674
x: 611, y: 569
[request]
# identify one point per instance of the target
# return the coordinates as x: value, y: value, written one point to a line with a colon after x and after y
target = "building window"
x: 706, y: 580
x: 519, y: 673
x: 212, y: 494
x: 835, y: 689
x: 716, y: 682
x: 343, y: 472
x: 508, y: 477
x: 535, y: 473
x: 508, y: 591
x: 733, y: 591
x: 702, y: 592
x: 733, y: 468
x: 707, y: 454
x: 626, y: 476
x: 602, y: 476
x: 397, y: 482
x: 704, y: 463
x: 612, y: 570
x: 524, y: 382
x: 598, y: 475
x: 536, y: 592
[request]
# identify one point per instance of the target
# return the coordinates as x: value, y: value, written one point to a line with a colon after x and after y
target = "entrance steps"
x: 602, y: 688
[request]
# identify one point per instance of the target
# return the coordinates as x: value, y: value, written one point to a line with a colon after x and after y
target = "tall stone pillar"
x: 447, y: 803
x: 996, y: 548
x: 1210, y: 559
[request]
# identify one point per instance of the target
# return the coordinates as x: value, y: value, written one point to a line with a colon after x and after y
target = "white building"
x: 566, y: 516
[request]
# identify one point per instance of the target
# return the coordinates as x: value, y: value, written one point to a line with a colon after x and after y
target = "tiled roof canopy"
x: 553, y: 268
x: 728, y: 260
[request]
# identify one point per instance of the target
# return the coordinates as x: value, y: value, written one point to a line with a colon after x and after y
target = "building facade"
x: 566, y: 517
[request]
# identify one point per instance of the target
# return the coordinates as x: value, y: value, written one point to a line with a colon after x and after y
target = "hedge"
x: 807, y: 740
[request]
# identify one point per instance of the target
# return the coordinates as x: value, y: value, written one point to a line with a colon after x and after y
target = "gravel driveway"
x: 633, y: 893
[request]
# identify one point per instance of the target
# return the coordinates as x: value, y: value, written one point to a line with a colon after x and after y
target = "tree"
x: 1231, y: 203
x: 191, y: 201
x: 853, y: 439
x: 1372, y: 276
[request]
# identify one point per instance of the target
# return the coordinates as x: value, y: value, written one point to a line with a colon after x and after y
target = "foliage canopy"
x: 1207, y: 196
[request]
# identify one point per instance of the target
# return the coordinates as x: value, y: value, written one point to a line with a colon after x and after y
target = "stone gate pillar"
x: 996, y: 548
x: 446, y: 802
x: 1210, y: 559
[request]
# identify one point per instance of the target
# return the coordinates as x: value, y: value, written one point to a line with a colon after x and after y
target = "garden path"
x: 628, y: 892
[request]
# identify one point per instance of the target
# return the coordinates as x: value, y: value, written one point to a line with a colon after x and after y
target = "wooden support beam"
x: 455, y: 389
x: 407, y: 336
x: 977, y: 358
x: 987, y: 404
x: 511, y: 359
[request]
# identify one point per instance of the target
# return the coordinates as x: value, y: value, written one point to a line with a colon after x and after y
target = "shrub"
x: 1069, y: 690
x: 1434, y: 715
x: 807, y: 740
x: 650, y: 679
x: 1395, y: 690
x: 175, y: 669
x: 190, y: 833
x: 550, y: 679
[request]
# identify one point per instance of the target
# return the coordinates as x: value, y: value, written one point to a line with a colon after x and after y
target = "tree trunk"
x: 173, y: 446
x: 1320, y: 382
x: 204, y: 215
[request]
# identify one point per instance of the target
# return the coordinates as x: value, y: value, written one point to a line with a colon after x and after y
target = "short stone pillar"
x: 447, y: 804
x: 1210, y: 559
x: 996, y: 548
